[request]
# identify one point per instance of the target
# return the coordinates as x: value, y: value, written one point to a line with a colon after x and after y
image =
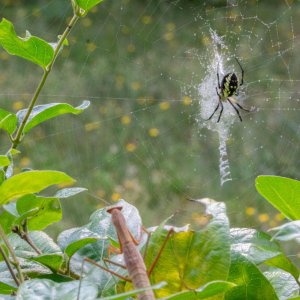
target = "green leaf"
x: 287, y: 232
x: 40, y: 239
x: 69, y: 192
x: 51, y: 261
x: 283, y: 193
x: 45, y: 211
x: 9, y: 123
x: 84, y: 5
x: 126, y: 295
x: 251, y: 284
x: 259, y: 248
x: 72, y: 248
x: 192, y: 258
x: 30, y: 182
x: 4, y: 161
x: 44, y: 289
x: 209, y: 290
x: 284, y: 284
x: 41, y: 113
x: 30, y: 47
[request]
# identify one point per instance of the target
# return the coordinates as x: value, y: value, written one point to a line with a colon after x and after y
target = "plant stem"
x: 12, y: 253
x: 6, y: 259
x: 18, y: 137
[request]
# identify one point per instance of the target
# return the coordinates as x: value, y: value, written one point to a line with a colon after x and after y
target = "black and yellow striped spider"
x: 228, y: 88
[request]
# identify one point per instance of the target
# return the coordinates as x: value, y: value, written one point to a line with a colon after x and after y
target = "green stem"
x: 18, y: 137
x: 12, y: 253
x: 6, y: 259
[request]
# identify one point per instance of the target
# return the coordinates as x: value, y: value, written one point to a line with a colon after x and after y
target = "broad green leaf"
x: 4, y: 161
x: 30, y: 47
x: 69, y: 192
x: 7, y: 221
x: 84, y: 5
x: 283, y: 283
x: 2, y: 176
x: 193, y: 258
x: 259, y: 248
x: 251, y: 284
x: 72, y: 248
x: 41, y: 113
x: 126, y: 295
x: 30, y: 182
x: 40, y: 239
x: 45, y: 289
x: 45, y: 211
x: 51, y: 261
x: 7, y: 284
x: 209, y: 290
x: 283, y: 193
x: 287, y: 232
x: 9, y: 123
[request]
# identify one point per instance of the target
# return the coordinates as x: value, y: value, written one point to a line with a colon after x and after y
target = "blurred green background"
x: 140, y: 64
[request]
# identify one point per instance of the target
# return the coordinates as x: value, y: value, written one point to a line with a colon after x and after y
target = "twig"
x: 6, y: 259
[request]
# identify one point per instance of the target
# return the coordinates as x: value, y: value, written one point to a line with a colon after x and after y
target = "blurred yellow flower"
x: 130, y: 48
x: 91, y: 47
x: 119, y: 81
x: 4, y: 55
x: 36, y: 12
x: 279, y: 217
x: 115, y: 196
x: 206, y: 41
x: 169, y: 36
x: 135, y: 85
x: 130, y: 147
x: 164, y: 105
x: 250, y: 211
x: 125, y: 29
x: 186, y: 100
x: 17, y: 105
x: 86, y: 22
x: 25, y: 162
x: 91, y: 126
x: 263, y: 218
x: 171, y: 26
x: 153, y: 132
x: 146, y: 20
x: 125, y: 120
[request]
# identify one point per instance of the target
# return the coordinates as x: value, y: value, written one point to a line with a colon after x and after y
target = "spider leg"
x: 221, y: 111
x: 237, y: 111
x: 242, y: 79
x: 241, y: 107
x: 219, y: 85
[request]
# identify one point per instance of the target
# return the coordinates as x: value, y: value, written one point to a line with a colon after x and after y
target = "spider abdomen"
x: 229, y: 85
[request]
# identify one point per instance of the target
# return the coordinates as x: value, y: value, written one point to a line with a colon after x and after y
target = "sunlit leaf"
x: 44, y: 288
x: 251, y: 284
x: 283, y: 193
x: 209, y: 290
x: 259, y: 248
x: 84, y: 5
x: 284, y: 284
x: 51, y: 261
x: 4, y: 161
x: 191, y: 259
x: 46, y: 211
x: 287, y: 232
x: 30, y: 47
x: 41, y: 113
x: 69, y: 192
x: 30, y: 182
x: 9, y: 123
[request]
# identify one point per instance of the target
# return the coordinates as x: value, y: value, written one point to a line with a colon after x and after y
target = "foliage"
x: 216, y: 262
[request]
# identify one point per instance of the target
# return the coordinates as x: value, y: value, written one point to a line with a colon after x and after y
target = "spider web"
x: 149, y: 69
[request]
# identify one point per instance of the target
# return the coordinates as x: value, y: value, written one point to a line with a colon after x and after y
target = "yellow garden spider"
x: 228, y: 88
